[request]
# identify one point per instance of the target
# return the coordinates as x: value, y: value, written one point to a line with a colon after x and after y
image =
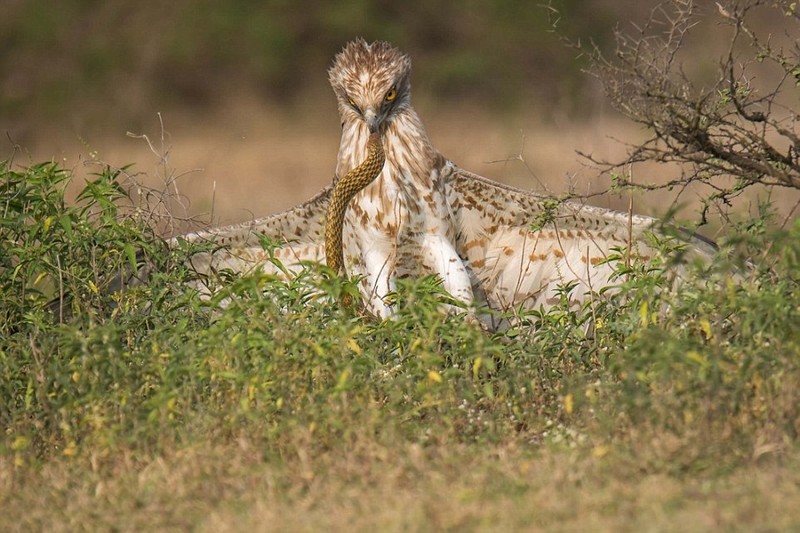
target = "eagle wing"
x: 299, y: 235
x: 521, y: 247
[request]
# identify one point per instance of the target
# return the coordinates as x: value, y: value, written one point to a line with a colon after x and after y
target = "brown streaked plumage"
x: 424, y: 215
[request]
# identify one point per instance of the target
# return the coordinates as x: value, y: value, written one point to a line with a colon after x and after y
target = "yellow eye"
x: 391, y: 95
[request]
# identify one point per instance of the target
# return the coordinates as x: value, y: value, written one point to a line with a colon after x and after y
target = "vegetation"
x: 149, y: 407
x: 281, y: 395
x: 730, y: 129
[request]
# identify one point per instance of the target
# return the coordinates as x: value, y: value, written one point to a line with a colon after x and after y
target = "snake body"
x: 344, y: 191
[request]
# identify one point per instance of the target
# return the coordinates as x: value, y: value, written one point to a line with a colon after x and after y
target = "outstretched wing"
x: 299, y: 232
x: 521, y: 247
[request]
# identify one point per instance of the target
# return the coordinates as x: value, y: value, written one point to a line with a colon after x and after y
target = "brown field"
x: 248, y: 158
x: 408, y: 488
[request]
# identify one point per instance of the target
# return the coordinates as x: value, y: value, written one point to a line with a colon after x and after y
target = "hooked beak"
x: 372, y: 119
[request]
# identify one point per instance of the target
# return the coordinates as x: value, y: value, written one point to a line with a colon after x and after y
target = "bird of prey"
x: 489, y: 243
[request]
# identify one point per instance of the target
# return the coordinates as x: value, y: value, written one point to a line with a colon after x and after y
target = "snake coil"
x: 344, y: 191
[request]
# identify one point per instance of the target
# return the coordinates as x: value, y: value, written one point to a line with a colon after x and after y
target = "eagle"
x: 491, y: 245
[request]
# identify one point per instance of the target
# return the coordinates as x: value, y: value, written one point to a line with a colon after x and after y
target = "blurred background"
x: 234, y: 99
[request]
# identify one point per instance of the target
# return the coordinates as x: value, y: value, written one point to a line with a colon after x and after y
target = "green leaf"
x: 130, y: 251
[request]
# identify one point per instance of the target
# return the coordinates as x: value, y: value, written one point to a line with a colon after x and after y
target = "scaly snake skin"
x: 344, y: 191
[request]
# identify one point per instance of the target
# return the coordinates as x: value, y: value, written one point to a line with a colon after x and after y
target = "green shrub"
x: 674, y: 377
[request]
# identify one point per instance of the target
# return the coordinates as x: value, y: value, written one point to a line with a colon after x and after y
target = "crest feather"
x: 378, y: 62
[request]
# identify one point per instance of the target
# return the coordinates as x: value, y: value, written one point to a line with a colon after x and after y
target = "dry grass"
x: 408, y: 488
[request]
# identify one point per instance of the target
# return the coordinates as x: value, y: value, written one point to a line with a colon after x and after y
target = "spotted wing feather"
x: 515, y: 260
x: 299, y: 233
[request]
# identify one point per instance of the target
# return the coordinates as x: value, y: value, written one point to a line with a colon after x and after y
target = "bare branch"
x: 731, y: 134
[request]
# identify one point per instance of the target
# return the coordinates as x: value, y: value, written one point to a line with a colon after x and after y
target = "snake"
x: 343, y: 191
